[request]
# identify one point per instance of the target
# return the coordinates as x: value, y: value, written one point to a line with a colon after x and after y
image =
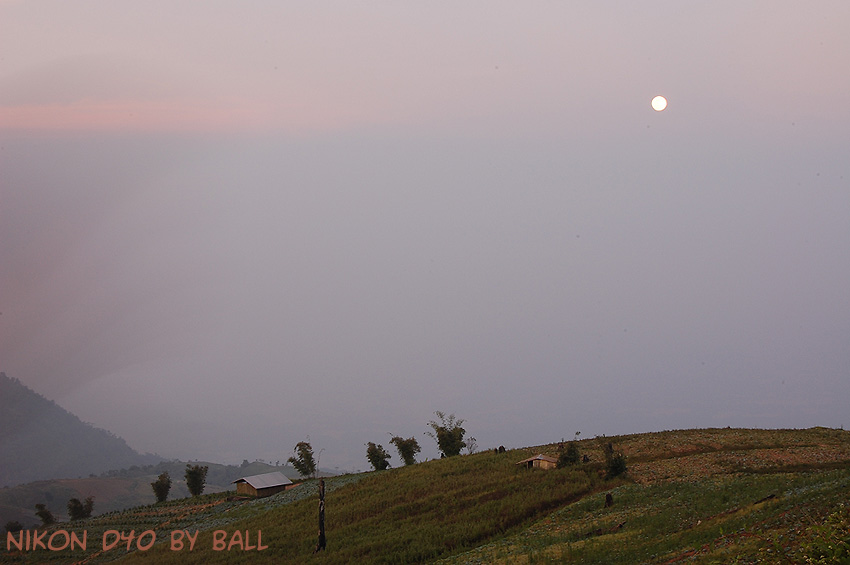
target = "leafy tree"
x: 616, y: 466
x: 569, y: 457
x: 78, y: 510
x: 407, y: 448
x: 161, y: 486
x: 45, y: 514
x: 448, y: 433
x: 13, y: 526
x: 196, y: 478
x: 377, y: 456
x: 304, y: 463
x: 615, y: 462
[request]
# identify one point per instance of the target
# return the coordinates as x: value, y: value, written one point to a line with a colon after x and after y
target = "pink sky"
x: 417, y: 206
x: 274, y: 66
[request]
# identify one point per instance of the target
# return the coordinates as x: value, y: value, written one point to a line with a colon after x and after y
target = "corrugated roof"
x: 540, y: 457
x: 266, y: 480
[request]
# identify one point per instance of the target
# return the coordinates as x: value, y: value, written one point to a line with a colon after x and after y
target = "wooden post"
x: 322, y: 541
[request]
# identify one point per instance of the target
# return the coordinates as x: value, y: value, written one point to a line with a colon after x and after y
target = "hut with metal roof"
x: 266, y: 484
x: 539, y: 462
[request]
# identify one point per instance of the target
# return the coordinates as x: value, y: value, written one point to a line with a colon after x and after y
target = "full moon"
x: 659, y: 103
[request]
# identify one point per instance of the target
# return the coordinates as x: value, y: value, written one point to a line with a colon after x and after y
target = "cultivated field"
x: 695, y: 496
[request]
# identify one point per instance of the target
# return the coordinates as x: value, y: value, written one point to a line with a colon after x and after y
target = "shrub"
x: 78, y: 510
x: 161, y: 486
x: 305, y: 464
x: 45, y: 514
x: 377, y: 456
x: 407, y: 448
x: 569, y: 457
x: 448, y: 433
x: 196, y: 478
x: 615, y: 462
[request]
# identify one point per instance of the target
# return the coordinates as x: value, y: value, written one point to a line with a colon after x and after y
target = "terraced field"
x: 695, y: 496
x: 704, y: 496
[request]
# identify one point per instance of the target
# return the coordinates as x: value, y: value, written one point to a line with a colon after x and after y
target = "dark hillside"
x: 40, y: 440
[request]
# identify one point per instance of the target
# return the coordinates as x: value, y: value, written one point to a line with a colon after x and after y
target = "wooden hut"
x: 539, y: 462
x: 266, y: 484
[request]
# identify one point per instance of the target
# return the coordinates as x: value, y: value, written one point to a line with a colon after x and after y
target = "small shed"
x: 266, y: 484
x: 539, y: 462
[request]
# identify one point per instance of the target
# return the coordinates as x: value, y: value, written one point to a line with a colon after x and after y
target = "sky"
x: 227, y: 227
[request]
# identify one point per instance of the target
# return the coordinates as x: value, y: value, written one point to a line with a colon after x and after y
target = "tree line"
x: 449, y: 434
x: 196, y: 479
x: 195, y: 476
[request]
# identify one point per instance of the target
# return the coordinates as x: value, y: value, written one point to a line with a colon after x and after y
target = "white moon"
x: 659, y: 103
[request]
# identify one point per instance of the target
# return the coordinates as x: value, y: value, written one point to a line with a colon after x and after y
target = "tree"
x: 615, y: 462
x: 448, y: 433
x: 161, y: 486
x: 45, y: 514
x: 196, y: 478
x: 78, y: 510
x: 407, y: 448
x: 377, y: 456
x: 13, y: 526
x: 569, y: 457
x: 304, y: 462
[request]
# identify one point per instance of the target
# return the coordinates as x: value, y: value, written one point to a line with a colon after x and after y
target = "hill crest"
x: 40, y: 440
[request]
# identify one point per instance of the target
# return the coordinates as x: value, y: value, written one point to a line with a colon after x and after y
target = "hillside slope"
x: 118, y: 489
x: 705, y: 496
x: 40, y: 440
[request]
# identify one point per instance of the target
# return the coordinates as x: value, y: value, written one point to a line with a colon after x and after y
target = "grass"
x: 418, y: 513
x: 714, y: 520
x: 696, y: 496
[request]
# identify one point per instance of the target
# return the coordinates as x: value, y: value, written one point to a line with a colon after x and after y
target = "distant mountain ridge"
x: 40, y: 440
